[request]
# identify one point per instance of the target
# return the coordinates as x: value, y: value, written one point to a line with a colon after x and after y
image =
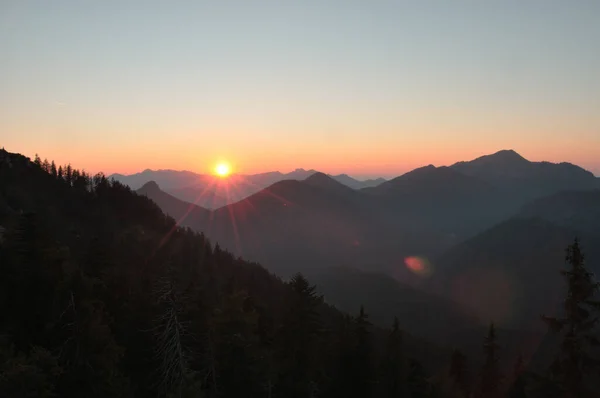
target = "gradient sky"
x: 363, y: 87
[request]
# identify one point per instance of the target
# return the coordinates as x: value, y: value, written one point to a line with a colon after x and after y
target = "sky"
x: 369, y: 88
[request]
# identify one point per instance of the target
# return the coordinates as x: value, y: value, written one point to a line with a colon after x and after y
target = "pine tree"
x: 362, y: 358
x: 60, y: 172
x: 393, y: 369
x: 53, y: 169
x: 517, y: 390
x: 459, y: 373
x: 38, y: 160
x: 25, y: 271
x: 298, y: 338
x: 340, y: 385
x: 170, y: 333
x: 90, y: 353
x: 27, y: 375
x: 490, y: 375
x: 579, y: 325
x: 233, y: 368
x: 417, y: 380
x: 68, y: 174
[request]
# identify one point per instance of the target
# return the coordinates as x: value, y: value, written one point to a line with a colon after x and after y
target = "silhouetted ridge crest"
x: 323, y: 181
x: 150, y: 186
x: 526, y: 180
x: 322, y: 178
x: 503, y: 157
x: 422, y: 172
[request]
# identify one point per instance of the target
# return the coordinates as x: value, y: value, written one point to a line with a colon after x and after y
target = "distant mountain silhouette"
x: 509, y: 171
x: 208, y: 190
x: 502, y: 163
x: 323, y: 181
x: 302, y: 225
x: 186, y: 214
x: 318, y: 221
x: 430, y: 181
x: 293, y: 220
x: 200, y: 195
x: 357, y: 184
x: 167, y: 179
x: 298, y: 174
x: 443, y: 199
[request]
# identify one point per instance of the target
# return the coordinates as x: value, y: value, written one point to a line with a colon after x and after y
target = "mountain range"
x: 212, y: 192
x: 499, y: 217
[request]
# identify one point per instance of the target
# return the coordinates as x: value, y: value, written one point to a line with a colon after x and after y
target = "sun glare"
x: 222, y: 170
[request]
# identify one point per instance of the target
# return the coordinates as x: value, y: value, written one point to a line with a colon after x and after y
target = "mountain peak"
x: 506, y: 161
x: 420, y: 171
x: 508, y: 154
x: 322, y: 180
x: 150, y: 186
x: 503, y: 158
x: 319, y: 177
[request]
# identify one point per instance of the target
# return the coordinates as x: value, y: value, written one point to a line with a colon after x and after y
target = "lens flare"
x: 419, y: 266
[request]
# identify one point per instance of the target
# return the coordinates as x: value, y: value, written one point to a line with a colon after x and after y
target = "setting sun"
x: 222, y: 170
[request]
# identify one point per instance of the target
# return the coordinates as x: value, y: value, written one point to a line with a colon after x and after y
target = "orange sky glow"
x: 367, y: 161
x: 407, y: 86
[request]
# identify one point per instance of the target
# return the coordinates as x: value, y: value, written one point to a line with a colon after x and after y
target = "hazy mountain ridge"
x: 212, y: 192
x: 328, y: 183
x: 326, y: 223
x: 165, y: 178
x: 322, y: 222
x: 573, y: 209
x: 357, y: 184
x: 510, y: 272
x: 206, y: 197
x: 509, y: 171
x: 435, y: 318
x: 442, y: 199
x: 316, y: 222
x: 186, y: 214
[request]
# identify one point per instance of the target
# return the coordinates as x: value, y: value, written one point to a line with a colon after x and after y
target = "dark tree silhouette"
x: 363, y: 357
x: 578, y: 326
x: 459, y: 373
x: 518, y: 388
x: 393, y: 367
x: 491, y: 377
x: 418, y: 384
x: 298, y: 334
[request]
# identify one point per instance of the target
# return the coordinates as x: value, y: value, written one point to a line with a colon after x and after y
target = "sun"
x: 222, y: 169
